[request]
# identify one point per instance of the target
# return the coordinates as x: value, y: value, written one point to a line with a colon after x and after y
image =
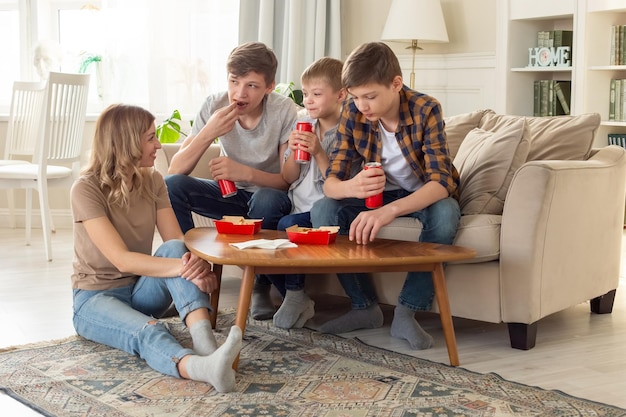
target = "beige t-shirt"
x: 92, y: 270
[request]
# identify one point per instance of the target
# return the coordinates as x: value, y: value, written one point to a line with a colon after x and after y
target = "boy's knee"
x: 324, y: 212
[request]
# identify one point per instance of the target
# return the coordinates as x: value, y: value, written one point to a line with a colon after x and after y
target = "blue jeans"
x: 119, y: 317
x: 202, y: 196
x: 291, y: 282
x: 439, y: 221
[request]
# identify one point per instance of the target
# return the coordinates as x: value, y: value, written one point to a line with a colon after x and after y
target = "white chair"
x: 56, y: 162
x: 23, y: 129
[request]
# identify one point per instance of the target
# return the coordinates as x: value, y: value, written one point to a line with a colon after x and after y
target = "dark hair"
x: 326, y: 69
x: 253, y: 56
x: 372, y: 62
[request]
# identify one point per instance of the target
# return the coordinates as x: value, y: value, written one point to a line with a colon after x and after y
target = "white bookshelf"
x: 591, y: 71
x: 601, y: 15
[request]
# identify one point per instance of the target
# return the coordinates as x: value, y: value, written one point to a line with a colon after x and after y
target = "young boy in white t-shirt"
x: 323, y: 99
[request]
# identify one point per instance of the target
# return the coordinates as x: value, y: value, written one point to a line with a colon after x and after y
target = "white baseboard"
x: 61, y: 218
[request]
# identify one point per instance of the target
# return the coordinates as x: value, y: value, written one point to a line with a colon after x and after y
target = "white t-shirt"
x: 306, y: 193
x: 395, y: 166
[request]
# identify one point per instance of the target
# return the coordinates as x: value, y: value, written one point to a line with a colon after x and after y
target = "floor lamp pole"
x: 414, y: 47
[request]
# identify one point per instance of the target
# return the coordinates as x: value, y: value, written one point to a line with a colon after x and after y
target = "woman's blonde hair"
x: 116, y: 153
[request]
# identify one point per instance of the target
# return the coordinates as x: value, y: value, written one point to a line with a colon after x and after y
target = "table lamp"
x: 413, y: 21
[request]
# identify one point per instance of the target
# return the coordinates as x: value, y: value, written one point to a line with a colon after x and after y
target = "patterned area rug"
x: 281, y: 373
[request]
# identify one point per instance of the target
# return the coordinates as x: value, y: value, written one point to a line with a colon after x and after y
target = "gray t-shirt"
x: 258, y: 147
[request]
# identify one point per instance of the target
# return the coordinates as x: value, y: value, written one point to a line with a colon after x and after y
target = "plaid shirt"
x: 420, y: 135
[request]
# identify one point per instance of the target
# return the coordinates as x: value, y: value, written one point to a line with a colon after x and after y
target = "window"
x: 9, y: 64
x: 159, y: 54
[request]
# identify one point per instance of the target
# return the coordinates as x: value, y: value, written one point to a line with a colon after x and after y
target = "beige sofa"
x: 543, y: 210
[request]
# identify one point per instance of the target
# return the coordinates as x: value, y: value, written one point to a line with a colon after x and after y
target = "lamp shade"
x: 420, y: 20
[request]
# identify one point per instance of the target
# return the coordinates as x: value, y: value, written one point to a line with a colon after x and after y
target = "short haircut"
x: 253, y: 57
x: 372, y: 62
x: 326, y: 69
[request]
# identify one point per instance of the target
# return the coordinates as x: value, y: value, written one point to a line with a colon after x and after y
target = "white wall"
x: 460, y: 74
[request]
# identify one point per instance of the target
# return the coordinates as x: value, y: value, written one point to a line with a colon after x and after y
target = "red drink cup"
x: 301, y: 156
x: 374, y: 201
x: 227, y: 187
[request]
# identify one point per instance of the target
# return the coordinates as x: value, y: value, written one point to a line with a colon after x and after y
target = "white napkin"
x: 265, y: 244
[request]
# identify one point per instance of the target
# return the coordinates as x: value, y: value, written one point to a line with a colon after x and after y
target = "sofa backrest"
x: 557, y: 138
x: 488, y: 148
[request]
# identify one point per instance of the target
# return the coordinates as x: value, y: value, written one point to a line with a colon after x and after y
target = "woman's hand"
x: 199, y: 272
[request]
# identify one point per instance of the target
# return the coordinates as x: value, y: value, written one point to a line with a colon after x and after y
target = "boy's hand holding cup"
x: 374, y: 201
x: 300, y: 155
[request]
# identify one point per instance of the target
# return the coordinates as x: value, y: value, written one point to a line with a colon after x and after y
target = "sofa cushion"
x: 480, y: 232
x: 560, y: 137
x: 486, y: 162
x: 458, y: 126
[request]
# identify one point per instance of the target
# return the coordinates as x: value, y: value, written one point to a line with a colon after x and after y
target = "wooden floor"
x: 577, y: 352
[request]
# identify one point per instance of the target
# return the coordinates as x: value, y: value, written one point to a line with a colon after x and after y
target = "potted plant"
x: 172, y: 128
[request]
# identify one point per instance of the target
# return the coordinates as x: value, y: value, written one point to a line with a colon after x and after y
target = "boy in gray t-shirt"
x: 253, y: 125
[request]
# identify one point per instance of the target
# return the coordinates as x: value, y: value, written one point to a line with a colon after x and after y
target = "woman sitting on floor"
x: 119, y: 287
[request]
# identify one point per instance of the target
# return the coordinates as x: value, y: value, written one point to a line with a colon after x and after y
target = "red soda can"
x: 301, y: 156
x: 374, y: 201
x: 227, y: 187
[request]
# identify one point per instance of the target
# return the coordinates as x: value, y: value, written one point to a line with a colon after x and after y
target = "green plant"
x: 288, y: 90
x: 87, y: 61
x: 170, y: 130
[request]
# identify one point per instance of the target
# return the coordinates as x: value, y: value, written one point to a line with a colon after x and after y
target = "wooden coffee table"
x: 382, y: 255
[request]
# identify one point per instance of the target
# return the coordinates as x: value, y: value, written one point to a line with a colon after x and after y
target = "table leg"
x: 215, y: 295
x: 441, y: 292
x: 243, y: 304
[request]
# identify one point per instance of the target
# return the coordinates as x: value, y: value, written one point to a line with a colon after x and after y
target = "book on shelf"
x: 617, y: 100
x: 551, y: 97
x: 617, y: 51
x: 612, y: 100
x: 563, y: 92
x: 556, y: 38
x: 618, y: 139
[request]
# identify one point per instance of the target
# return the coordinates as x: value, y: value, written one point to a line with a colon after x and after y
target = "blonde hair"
x: 325, y: 69
x: 116, y: 153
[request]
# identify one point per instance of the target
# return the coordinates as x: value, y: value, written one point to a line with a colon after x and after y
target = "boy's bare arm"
x: 187, y: 157
x: 192, y: 149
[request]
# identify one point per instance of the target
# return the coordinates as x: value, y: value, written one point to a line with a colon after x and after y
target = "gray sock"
x: 262, y: 307
x: 295, y: 310
x: 369, y: 318
x: 404, y: 326
x: 217, y: 368
x: 204, y: 342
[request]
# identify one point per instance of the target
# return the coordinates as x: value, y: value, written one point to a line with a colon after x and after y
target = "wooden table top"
x: 215, y: 247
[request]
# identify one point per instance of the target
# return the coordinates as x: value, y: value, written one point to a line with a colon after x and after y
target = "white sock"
x: 217, y: 368
x: 204, y: 342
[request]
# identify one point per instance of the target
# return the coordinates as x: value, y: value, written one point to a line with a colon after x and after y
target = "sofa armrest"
x: 167, y: 151
x: 561, y: 234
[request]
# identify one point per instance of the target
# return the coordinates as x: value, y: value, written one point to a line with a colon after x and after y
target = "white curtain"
x: 299, y: 31
x: 166, y: 54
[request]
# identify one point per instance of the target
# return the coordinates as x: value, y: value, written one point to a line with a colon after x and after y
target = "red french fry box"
x: 238, y: 225
x: 306, y: 235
